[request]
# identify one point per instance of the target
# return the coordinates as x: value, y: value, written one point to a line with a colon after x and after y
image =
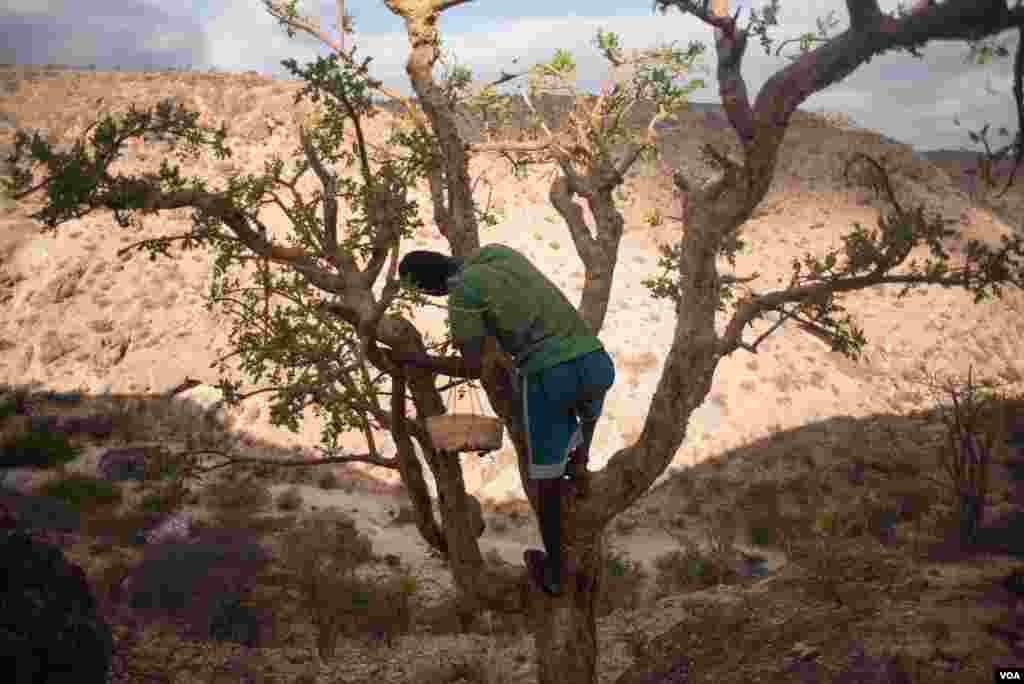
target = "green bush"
x: 9, y: 406
x: 38, y: 450
x: 761, y: 535
x: 83, y: 491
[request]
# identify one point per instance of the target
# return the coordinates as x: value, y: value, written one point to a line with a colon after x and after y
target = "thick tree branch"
x: 747, y: 309
x: 411, y: 470
x: 836, y: 59
x: 330, y: 198
x: 1018, y: 96
x: 863, y: 14
x: 700, y: 9
x: 731, y: 46
x: 873, y: 33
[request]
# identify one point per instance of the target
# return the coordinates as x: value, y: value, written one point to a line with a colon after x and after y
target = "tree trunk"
x: 566, y: 626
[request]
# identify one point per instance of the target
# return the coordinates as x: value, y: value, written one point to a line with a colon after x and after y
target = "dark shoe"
x: 539, y: 573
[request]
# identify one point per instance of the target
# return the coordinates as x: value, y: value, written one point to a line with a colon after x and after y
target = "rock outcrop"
x: 50, y: 629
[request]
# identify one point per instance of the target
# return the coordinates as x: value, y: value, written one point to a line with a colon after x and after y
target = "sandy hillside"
x: 70, y: 300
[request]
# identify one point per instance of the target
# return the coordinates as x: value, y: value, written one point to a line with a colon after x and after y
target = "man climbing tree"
x: 563, y: 370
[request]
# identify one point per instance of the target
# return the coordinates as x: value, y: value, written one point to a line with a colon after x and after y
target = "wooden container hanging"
x: 465, y: 432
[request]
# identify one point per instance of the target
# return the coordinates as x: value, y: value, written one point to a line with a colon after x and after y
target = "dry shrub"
x: 405, y: 516
x: 387, y: 611
x: 328, y: 480
x: 689, y: 568
x: 971, y: 440
x: 440, y: 618
x: 480, y: 668
x: 473, y: 669
x: 622, y: 583
x: 290, y: 499
x: 234, y: 499
x: 121, y: 528
x: 321, y: 555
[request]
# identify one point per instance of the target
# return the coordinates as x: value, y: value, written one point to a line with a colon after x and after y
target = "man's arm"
x: 470, y: 365
x: 472, y: 351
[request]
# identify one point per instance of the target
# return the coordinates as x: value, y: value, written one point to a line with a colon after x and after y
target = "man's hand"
x: 416, y: 359
x: 453, y: 366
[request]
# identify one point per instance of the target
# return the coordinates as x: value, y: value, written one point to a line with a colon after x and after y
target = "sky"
x: 910, y: 100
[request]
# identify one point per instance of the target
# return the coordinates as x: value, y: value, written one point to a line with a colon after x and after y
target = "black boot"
x: 551, y: 532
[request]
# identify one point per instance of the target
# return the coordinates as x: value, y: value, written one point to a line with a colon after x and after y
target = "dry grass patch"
x: 623, y: 583
x: 246, y: 497
x: 290, y: 499
x: 485, y: 668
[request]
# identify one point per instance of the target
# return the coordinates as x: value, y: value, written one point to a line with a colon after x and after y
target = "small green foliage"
x: 622, y: 583
x: 82, y: 491
x: 9, y: 406
x: 37, y: 449
x: 169, y: 497
x: 762, y: 535
x: 688, y: 569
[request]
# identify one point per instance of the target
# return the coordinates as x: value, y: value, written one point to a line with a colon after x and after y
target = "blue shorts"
x: 555, y: 400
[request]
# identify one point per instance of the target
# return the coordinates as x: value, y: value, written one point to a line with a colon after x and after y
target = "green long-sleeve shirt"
x: 498, y: 292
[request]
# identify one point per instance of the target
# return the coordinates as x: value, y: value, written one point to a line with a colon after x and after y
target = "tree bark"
x: 566, y: 628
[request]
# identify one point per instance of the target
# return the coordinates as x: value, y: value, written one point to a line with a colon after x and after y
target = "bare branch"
x: 330, y: 199
x: 505, y: 78
x: 442, y: 5
x: 389, y: 463
x: 273, y: 7
x: 509, y: 146
x: 340, y: 17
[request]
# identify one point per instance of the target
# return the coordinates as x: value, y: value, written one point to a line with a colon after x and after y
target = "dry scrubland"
x: 817, y: 464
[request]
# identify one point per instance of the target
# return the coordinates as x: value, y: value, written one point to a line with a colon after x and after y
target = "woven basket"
x: 461, y: 432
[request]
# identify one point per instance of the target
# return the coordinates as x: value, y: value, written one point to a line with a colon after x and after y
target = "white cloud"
x: 907, y: 99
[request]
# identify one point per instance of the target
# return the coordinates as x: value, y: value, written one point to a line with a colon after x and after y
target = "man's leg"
x: 549, y: 424
x: 576, y: 471
x: 597, y: 374
x: 550, y: 494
